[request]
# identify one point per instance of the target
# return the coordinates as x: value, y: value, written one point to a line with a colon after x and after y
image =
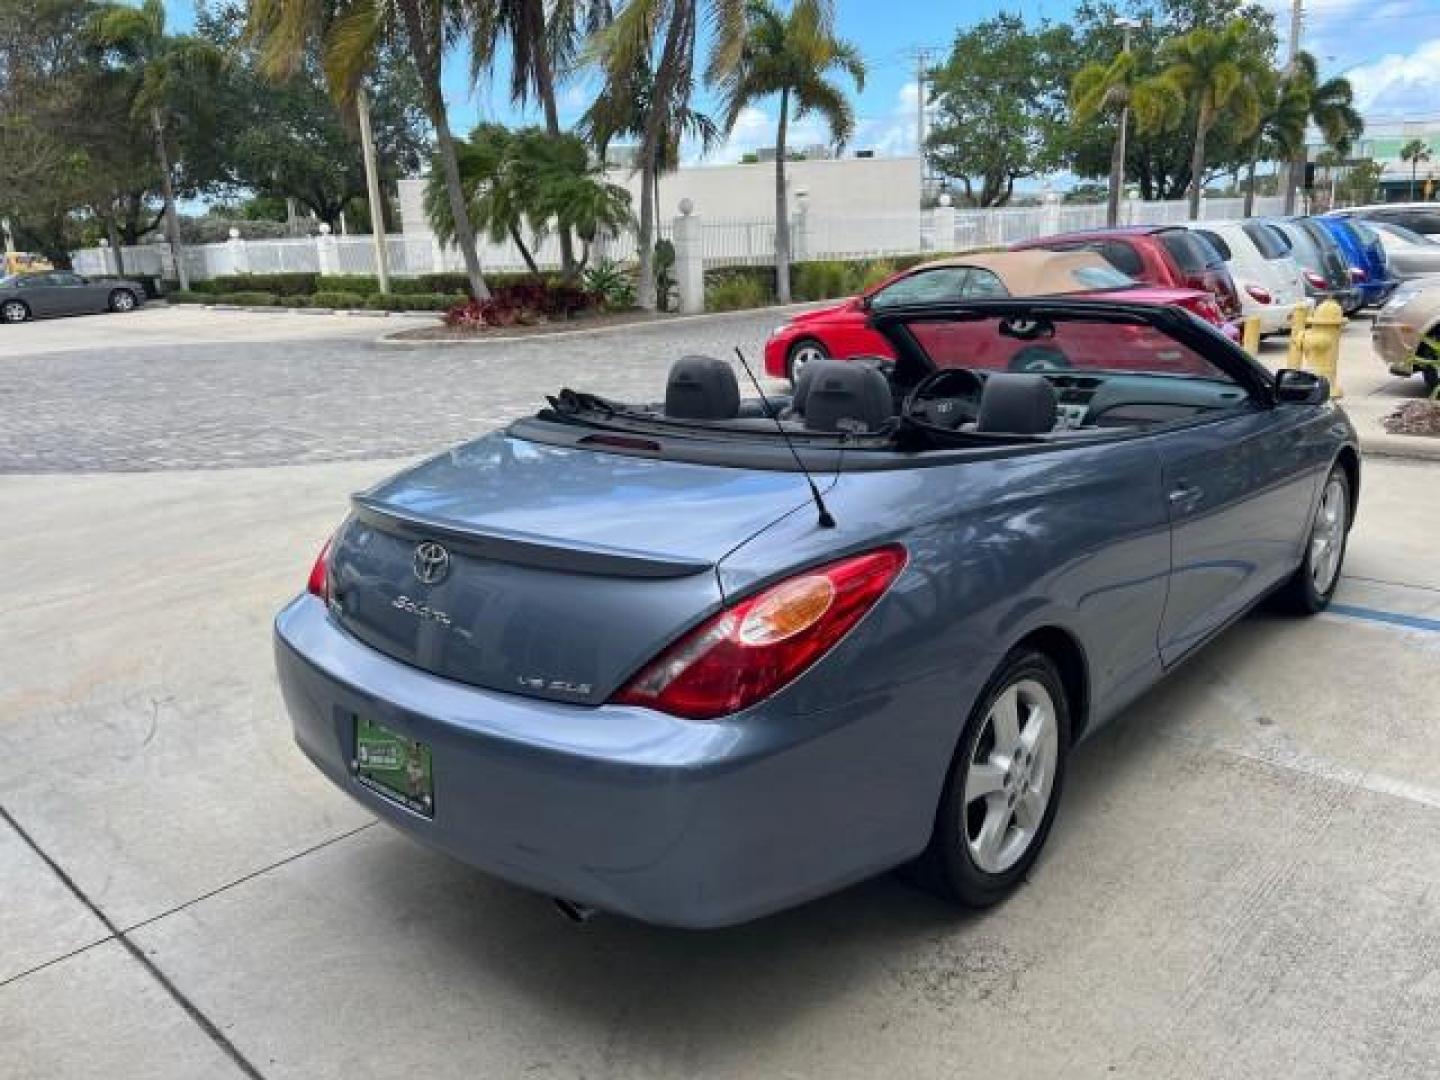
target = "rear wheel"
x: 1004, y: 785
x: 14, y: 311
x: 122, y: 300
x: 1310, y: 590
x: 801, y: 353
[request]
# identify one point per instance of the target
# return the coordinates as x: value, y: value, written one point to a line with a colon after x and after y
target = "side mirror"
x: 1301, y: 387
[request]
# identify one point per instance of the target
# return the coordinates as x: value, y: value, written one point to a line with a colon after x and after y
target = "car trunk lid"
x: 547, y: 571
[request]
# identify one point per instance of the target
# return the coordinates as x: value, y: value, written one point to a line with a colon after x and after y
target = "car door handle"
x: 1183, y: 496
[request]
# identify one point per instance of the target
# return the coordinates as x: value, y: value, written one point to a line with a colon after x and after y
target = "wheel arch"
x: 1349, y: 460
x: 1064, y: 650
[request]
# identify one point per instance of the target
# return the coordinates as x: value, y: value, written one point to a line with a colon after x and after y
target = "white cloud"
x: 1399, y: 82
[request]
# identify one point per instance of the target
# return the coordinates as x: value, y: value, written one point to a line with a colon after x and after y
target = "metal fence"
x: 726, y: 242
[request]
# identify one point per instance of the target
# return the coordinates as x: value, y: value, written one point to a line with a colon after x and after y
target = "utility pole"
x: 1295, y: 168
x: 1117, y: 174
x: 921, y: 54
x: 372, y: 191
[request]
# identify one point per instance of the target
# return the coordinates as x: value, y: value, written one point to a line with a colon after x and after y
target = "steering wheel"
x: 946, y: 398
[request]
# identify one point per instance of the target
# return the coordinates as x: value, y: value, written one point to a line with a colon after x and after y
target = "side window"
x: 1121, y: 256
x: 926, y: 287
x: 60, y: 277
x: 1217, y: 242
x: 1190, y: 254
x: 982, y: 285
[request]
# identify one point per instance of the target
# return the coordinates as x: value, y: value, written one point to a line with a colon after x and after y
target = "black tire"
x: 122, y: 300
x: 1431, y: 374
x: 1302, y: 594
x: 948, y: 867
x: 14, y: 311
x: 804, y: 350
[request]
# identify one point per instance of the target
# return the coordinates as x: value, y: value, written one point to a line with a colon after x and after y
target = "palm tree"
x: 792, y: 55
x: 544, y: 39
x: 1208, y: 67
x: 1330, y: 104
x: 165, y: 71
x: 1116, y: 88
x: 1415, y: 151
x: 659, y: 36
x: 350, y: 33
x: 1280, y: 128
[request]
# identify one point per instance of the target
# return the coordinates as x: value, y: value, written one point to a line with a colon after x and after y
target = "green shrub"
x: 248, y: 299
x: 875, y: 271
x: 297, y: 301
x: 825, y: 279
x: 364, y: 284
x: 179, y: 297
x: 737, y: 293
x: 296, y: 284
x: 612, y: 283
x: 335, y: 299
x: 415, y: 301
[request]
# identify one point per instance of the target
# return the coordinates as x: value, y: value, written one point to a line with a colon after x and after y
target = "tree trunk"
x: 1117, y: 172
x: 464, y: 231
x: 1197, y: 165
x: 172, y: 219
x: 667, y: 73
x: 524, y: 251
x: 545, y: 89
x: 113, y: 234
x: 782, y: 210
x: 645, y: 286
x: 1293, y: 172
x: 1250, y: 180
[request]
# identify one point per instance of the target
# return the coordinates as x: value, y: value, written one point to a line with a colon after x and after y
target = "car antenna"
x: 825, y: 520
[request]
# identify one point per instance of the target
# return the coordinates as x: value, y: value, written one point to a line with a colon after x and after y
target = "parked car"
x: 1406, y: 332
x: 1322, y: 264
x: 1420, y: 217
x: 843, y: 331
x: 1411, y: 255
x: 1267, y: 277
x: 59, y: 292
x: 694, y: 663
x: 23, y: 262
x: 1366, y: 255
x: 1166, y: 255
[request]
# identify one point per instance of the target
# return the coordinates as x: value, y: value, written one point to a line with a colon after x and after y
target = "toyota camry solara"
x: 701, y: 659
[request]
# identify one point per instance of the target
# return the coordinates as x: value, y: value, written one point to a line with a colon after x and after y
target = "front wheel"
x: 1310, y: 590
x: 13, y: 311
x: 1004, y: 785
x: 801, y: 353
x: 122, y: 300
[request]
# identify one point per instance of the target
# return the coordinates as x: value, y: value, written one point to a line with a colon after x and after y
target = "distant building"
x: 813, y: 152
x: 1382, y: 142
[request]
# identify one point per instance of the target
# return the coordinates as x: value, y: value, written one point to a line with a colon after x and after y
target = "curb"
x: 362, y: 313
x: 388, y: 341
x: 1415, y: 447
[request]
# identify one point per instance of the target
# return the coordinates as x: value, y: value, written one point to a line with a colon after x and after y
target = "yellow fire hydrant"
x: 1250, y: 334
x: 1321, y: 344
x: 1298, y: 318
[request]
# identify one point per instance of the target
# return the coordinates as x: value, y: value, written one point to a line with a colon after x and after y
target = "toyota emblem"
x: 432, y: 563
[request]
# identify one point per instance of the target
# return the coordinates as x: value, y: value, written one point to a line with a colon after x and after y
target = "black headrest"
x: 702, y: 388
x: 1016, y: 404
x: 839, y: 396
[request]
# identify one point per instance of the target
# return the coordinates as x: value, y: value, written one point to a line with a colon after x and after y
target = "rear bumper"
x: 1375, y: 293
x: 625, y: 809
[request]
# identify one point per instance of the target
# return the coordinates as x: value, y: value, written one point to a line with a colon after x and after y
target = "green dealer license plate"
x: 396, y: 766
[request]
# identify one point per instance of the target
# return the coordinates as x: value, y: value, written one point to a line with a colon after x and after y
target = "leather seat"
x: 1013, y: 404
x: 834, y: 395
x: 702, y: 388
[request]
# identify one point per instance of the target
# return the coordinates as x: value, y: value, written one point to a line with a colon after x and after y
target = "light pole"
x: 1117, y: 171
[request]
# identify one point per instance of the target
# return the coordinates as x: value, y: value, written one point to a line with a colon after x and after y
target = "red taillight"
x: 1315, y: 279
x: 1206, y: 308
x: 1259, y: 295
x: 1357, y: 274
x: 319, y: 583
x: 753, y: 648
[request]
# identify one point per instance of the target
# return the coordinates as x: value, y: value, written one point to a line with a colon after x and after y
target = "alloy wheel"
x: 1010, y: 777
x: 12, y: 311
x: 1327, y: 537
x: 802, y: 354
x: 122, y: 300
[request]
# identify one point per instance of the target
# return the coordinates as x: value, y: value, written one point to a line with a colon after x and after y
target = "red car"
x: 843, y: 331
x: 1165, y: 255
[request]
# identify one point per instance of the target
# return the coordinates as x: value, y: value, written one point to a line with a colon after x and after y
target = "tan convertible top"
x: 1034, y: 273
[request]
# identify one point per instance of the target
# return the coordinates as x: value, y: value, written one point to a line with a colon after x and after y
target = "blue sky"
x: 1390, y: 49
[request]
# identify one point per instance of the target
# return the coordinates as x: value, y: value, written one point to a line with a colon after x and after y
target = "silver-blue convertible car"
x: 701, y: 659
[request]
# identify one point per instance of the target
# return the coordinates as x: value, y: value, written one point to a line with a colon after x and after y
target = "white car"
x: 1258, y: 257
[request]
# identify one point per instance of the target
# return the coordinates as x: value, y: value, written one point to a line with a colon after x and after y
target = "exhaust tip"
x: 576, y: 912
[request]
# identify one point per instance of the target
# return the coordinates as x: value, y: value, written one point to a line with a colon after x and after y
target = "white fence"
x: 726, y: 242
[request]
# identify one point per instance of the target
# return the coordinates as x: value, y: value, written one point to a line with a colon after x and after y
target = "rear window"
x: 1268, y: 240
x: 1191, y: 253
x: 1102, y: 277
x: 1061, y: 345
x: 1217, y: 242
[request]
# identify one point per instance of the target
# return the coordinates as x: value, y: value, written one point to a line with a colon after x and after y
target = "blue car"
x: 1365, y: 254
x: 705, y: 658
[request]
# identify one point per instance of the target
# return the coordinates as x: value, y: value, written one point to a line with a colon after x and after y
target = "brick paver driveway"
x: 175, y: 389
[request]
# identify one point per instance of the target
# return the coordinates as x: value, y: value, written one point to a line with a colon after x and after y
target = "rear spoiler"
x: 525, y: 549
